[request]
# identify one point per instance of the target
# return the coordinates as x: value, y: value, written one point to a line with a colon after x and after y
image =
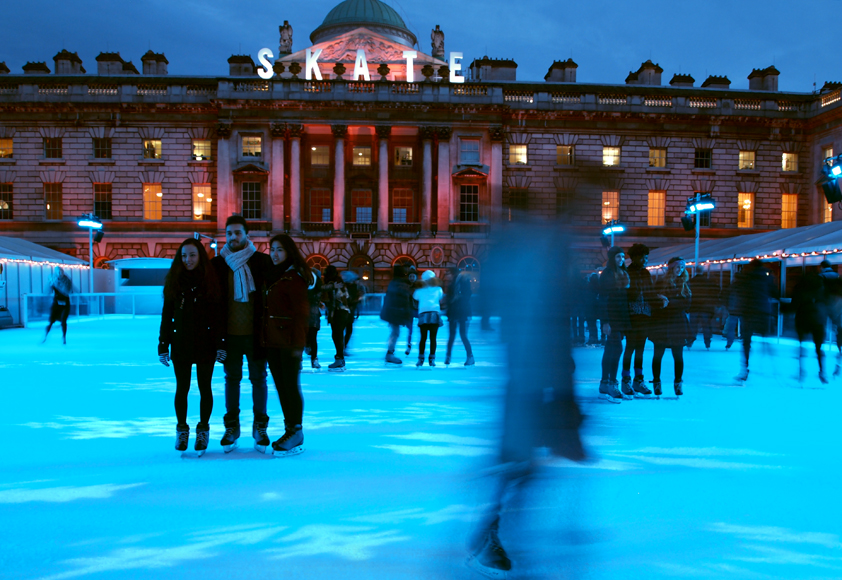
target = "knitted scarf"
x: 238, y: 262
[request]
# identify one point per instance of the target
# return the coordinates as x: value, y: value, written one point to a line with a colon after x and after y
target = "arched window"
x: 317, y: 262
x: 362, y: 266
x: 470, y: 265
x: 404, y: 261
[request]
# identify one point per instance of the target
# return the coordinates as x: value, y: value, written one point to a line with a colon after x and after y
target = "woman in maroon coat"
x: 285, y: 322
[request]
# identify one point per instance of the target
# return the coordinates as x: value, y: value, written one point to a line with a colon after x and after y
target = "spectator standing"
x: 614, y: 315
x: 640, y: 296
x: 670, y: 323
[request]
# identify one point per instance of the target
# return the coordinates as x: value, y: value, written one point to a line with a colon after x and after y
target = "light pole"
x: 611, y: 228
x: 92, y: 222
x: 213, y: 244
x: 695, y: 205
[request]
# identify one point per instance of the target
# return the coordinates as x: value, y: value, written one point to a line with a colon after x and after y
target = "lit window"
x: 153, y: 198
x: 361, y: 205
x: 610, y: 156
x: 102, y: 200
x: 469, y: 203
x: 253, y: 147
x: 202, y: 201
x: 610, y: 206
x: 6, y: 148
x: 52, y: 201
x: 657, y: 208
x: 362, y: 156
x: 789, y: 210
x: 828, y: 212
x: 747, y: 159
x: 518, y: 155
x: 403, y: 156
x: 201, y: 149
x: 703, y: 159
x: 102, y: 148
x: 6, y: 201
x: 320, y: 203
x: 320, y: 155
x: 252, y: 206
x: 564, y: 155
x: 152, y: 149
x: 657, y: 158
x: 52, y: 147
x: 827, y: 152
x: 789, y: 162
x: 401, y: 205
x: 469, y: 151
x: 745, y: 210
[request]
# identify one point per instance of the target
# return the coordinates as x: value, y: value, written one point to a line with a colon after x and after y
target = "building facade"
x: 369, y: 156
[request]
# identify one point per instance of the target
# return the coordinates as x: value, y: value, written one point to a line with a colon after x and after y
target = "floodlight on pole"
x: 695, y: 205
x: 213, y: 243
x: 92, y: 222
x: 613, y: 227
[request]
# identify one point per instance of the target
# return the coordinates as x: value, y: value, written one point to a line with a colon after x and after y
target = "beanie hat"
x: 676, y: 259
x: 613, y: 252
x: 428, y: 275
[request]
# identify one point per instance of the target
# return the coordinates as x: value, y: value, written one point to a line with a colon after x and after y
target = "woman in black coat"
x: 614, y: 305
x: 191, y: 333
x: 60, y: 309
x: 670, y: 324
x: 397, y: 311
x: 459, y: 313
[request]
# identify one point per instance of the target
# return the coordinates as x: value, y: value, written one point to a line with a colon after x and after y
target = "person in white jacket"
x: 428, y: 296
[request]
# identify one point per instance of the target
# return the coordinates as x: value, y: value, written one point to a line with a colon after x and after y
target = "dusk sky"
x: 606, y: 39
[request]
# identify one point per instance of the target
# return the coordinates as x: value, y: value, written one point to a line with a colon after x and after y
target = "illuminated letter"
x: 266, y: 72
x: 454, y: 66
x: 361, y: 66
x: 410, y: 55
x: 312, y: 65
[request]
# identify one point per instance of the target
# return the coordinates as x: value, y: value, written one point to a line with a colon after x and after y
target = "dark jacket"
x: 258, y: 264
x: 397, y: 304
x: 755, y: 290
x: 286, y: 310
x: 832, y: 294
x: 705, y: 294
x: 459, y: 298
x: 613, y: 302
x: 191, y: 327
x: 670, y: 325
x: 314, y: 296
x: 641, y: 296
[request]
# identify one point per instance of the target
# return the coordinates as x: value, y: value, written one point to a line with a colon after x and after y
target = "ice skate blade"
x: 339, y: 370
x: 642, y: 396
x: 627, y: 397
x: 672, y: 398
x: 289, y: 453
x: 260, y: 448
x: 230, y: 448
x: 201, y: 452
x: 609, y: 398
x: 393, y: 365
x: 477, y: 566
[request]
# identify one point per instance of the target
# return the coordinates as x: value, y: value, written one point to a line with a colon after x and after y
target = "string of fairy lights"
x: 774, y: 255
x: 43, y: 263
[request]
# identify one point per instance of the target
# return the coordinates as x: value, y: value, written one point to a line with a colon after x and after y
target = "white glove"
x: 221, y: 355
x: 165, y: 359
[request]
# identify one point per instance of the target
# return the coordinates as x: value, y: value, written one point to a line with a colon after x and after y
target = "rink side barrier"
x: 36, y: 307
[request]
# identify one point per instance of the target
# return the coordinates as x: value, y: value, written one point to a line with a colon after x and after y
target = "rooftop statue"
x: 285, y: 46
x: 437, y: 37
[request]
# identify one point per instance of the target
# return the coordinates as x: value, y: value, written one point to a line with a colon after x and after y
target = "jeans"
x: 611, y: 355
x: 706, y: 320
x: 463, y: 335
x: 678, y: 359
x: 285, y: 372
x: 204, y: 374
x: 338, y: 327
x: 237, y: 348
x: 731, y: 327
x: 312, y: 342
x: 394, y: 334
x: 635, y: 343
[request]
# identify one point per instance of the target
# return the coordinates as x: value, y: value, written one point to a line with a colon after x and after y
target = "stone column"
x: 225, y: 202
x: 295, y: 132
x: 427, y: 134
x: 445, y: 179
x: 276, y: 176
x: 339, y: 132
x: 495, y: 176
x: 383, y: 180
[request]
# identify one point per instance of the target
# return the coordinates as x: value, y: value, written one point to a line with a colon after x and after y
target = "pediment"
x: 249, y: 169
x: 480, y: 171
x: 378, y: 49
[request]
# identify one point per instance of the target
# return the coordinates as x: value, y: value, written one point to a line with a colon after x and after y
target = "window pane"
x: 610, y: 206
x: 703, y: 159
x: 610, y: 156
x: 401, y: 205
x: 789, y: 210
x: 361, y: 205
x: 153, y: 204
x: 747, y: 159
x: 202, y: 201
x: 152, y: 149
x: 828, y: 213
x: 399, y: 215
x: 403, y: 156
x: 564, y: 154
x: 6, y: 201
x: 6, y: 148
x: 201, y: 149
x: 362, y: 156
x: 252, y: 207
x: 657, y: 208
x: 320, y: 205
x: 253, y: 147
x: 469, y: 152
x: 102, y: 200
x: 320, y: 155
x: 469, y: 203
x: 657, y: 157
x: 518, y: 155
x: 789, y: 162
x: 52, y: 147
x: 827, y: 152
x: 745, y: 210
x: 52, y: 201
x: 102, y: 148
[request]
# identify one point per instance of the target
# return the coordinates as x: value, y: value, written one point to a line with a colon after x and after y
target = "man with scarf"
x: 240, y: 269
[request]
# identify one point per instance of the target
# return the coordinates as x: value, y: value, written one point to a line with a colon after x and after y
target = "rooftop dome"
x: 371, y: 14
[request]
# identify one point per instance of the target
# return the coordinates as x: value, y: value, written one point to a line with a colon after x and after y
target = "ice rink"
x: 729, y: 482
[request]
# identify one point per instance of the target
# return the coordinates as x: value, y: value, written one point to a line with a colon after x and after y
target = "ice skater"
x: 285, y: 334
x: 755, y: 291
x: 356, y: 297
x: 314, y: 296
x: 240, y: 269
x: 428, y: 297
x: 191, y: 333
x: 833, y: 304
x: 60, y: 309
x: 338, y: 314
x: 809, y: 303
x: 412, y: 277
x: 641, y: 296
x: 458, y: 301
x: 670, y: 326
x: 614, y: 306
x: 396, y: 311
